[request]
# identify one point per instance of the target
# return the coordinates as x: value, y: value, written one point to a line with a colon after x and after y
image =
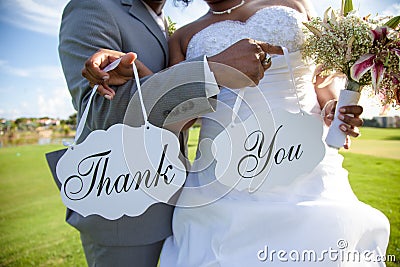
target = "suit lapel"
x: 140, y: 12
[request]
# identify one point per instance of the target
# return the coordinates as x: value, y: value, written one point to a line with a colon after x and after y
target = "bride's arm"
x: 176, y: 53
x: 326, y: 92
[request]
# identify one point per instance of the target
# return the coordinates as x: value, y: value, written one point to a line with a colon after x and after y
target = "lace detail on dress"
x: 277, y: 25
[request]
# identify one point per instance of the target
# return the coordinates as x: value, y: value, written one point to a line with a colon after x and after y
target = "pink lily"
x: 368, y: 62
x: 374, y: 62
x: 361, y: 66
x: 377, y: 72
x: 379, y: 34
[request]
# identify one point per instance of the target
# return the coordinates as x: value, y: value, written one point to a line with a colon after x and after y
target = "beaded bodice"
x: 277, y: 25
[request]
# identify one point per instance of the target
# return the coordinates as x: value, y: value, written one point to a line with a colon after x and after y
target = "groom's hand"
x: 241, y: 64
x: 93, y: 70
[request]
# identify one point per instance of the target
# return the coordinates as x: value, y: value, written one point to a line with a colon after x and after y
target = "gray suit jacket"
x: 126, y: 25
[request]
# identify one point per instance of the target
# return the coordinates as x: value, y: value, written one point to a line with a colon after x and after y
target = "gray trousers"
x: 121, y: 256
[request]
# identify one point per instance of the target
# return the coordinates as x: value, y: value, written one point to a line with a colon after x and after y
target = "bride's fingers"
x: 352, y: 109
x: 260, y: 52
x: 265, y: 65
x: 261, y: 72
x: 262, y: 56
x: 347, y: 143
x: 353, y: 121
x: 270, y: 49
x: 351, y: 131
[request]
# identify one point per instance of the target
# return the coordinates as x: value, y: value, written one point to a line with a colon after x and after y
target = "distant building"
x: 48, y: 122
x: 388, y: 121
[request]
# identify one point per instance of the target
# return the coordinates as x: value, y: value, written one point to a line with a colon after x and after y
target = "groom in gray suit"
x: 132, y: 25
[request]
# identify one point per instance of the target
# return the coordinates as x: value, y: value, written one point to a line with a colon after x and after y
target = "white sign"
x: 121, y: 171
x: 268, y: 152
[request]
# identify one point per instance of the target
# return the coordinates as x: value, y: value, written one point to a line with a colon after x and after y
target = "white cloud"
x: 38, y: 102
x: 55, y: 103
x: 48, y: 73
x: 53, y: 73
x: 6, y: 68
x: 393, y: 10
x: 10, y: 113
x: 36, y: 92
x: 42, y: 16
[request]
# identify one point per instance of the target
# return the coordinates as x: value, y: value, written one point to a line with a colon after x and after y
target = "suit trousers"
x: 98, y: 255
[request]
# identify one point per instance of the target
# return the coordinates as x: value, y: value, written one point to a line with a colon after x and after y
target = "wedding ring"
x: 267, y: 60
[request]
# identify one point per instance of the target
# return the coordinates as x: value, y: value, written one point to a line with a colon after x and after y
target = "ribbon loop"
x: 85, y: 113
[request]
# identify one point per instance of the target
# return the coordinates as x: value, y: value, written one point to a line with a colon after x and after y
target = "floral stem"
x: 353, y: 85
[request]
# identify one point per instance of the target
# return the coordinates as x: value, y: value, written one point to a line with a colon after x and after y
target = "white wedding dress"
x: 313, y: 220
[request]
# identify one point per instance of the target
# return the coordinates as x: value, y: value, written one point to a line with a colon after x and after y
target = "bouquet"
x: 365, y: 50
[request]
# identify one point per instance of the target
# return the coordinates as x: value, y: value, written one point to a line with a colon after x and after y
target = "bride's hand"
x: 93, y: 70
x: 241, y: 64
x: 350, y: 115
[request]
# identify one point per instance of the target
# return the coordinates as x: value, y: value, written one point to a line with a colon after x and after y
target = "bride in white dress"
x: 311, y: 219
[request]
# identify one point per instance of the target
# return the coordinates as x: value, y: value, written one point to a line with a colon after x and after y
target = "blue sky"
x: 31, y: 79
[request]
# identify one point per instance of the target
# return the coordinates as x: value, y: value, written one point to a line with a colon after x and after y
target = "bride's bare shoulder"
x: 183, y: 35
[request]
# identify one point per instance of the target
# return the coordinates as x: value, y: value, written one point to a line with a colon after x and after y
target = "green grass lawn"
x: 378, y: 142
x: 33, y: 231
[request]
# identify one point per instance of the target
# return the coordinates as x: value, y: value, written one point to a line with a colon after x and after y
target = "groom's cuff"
x: 211, y: 85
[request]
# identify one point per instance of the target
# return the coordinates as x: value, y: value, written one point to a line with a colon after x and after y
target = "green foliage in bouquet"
x: 336, y: 42
x: 347, y: 7
x: 355, y: 46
